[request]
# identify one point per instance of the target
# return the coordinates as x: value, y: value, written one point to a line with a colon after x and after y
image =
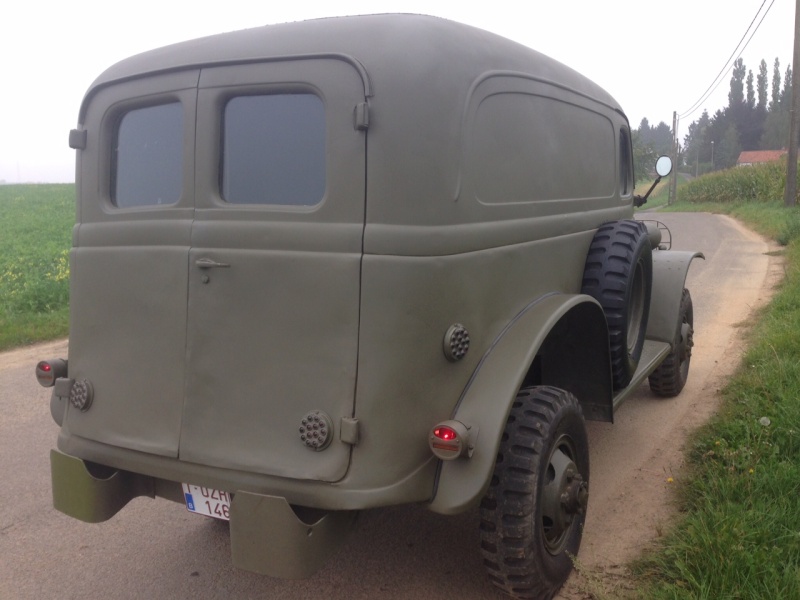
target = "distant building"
x: 755, y: 157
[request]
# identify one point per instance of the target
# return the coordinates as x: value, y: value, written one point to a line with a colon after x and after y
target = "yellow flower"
x: 670, y: 480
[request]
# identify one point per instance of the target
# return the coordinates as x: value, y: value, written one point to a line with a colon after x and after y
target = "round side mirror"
x: 663, y: 166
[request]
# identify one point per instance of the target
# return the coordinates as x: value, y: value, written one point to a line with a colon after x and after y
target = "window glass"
x: 147, y: 162
x: 274, y: 150
x: 625, y: 163
x: 534, y: 148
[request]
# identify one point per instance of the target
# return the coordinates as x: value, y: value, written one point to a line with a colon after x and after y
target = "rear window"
x: 273, y: 150
x: 147, y: 159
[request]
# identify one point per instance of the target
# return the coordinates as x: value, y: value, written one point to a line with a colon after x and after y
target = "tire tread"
x: 505, y: 511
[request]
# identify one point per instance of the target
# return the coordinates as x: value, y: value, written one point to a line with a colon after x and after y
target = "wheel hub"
x: 687, y: 341
x: 575, y: 498
x: 565, y: 496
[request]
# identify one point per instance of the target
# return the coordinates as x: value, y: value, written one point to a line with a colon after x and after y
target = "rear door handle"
x: 207, y: 263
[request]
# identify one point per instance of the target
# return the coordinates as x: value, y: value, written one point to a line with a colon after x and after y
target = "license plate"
x: 207, y: 501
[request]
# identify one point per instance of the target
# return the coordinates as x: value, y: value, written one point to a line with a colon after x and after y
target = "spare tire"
x: 619, y: 275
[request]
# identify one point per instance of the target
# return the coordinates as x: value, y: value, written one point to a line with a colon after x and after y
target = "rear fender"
x: 669, y: 278
x: 559, y: 340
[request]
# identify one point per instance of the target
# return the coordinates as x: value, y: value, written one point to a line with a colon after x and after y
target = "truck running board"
x: 652, y: 355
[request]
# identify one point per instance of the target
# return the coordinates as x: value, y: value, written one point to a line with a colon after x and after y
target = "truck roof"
x: 395, y: 50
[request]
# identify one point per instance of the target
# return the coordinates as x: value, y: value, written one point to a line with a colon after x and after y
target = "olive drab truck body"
x: 318, y: 267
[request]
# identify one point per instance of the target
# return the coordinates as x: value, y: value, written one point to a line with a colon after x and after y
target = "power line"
x: 718, y: 79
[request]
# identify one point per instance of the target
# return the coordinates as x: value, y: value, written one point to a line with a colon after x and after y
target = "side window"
x: 273, y: 150
x: 625, y: 163
x: 147, y: 164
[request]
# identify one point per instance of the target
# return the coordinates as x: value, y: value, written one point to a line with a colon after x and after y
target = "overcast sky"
x: 654, y: 57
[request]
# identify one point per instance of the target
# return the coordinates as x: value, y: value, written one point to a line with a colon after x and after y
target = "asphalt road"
x: 156, y: 549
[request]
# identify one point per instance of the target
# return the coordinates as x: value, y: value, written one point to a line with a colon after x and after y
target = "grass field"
x: 35, y: 236
x: 738, y: 535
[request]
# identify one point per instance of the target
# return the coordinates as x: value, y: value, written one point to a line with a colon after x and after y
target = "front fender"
x: 488, y: 397
x: 669, y: 278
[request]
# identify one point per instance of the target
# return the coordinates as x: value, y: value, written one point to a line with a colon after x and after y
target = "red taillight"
x: 47, y: 371
x: 451, y: 439
x: 445, y: 433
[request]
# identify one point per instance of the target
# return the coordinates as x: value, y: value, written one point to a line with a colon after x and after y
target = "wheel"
x: 532, y: 515
x: 671, y: 375
x: 619, y: 275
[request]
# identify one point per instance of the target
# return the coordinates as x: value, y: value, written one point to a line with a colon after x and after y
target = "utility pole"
x: 790, y: 193
x: 673, y: 178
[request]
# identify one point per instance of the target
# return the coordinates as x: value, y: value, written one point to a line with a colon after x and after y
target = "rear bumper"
x: 358, y: 490
x: 268, y: 536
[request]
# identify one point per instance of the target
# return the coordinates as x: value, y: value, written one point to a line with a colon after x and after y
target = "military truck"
x: 349, y: 263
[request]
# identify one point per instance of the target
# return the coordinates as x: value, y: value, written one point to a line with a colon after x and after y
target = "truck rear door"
x: 216, y: 264
x: 129, y: 278
x: 274, y: 265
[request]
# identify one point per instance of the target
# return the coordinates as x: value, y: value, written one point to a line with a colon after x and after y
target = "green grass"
x: 759, y: 183
x: 739, y: 532
x: 660, y: 196
x: 35, y: 236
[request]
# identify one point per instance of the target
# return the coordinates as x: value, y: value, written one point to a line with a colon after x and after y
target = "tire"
x: 671, y: 375
x: 619, y: 275
x: 533, y: 512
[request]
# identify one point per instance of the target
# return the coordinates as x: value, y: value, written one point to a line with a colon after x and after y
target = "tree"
x: 697, y: 145
x: 751, y: 121
x: 662, y: 138
x: 776, y: 86
x: 751, y: 94
x: 729, y: 150
x: 776, y: 130
x: 648, y: 143
x: 741, y: 111
x: 644, y: 156
x: 761, y: 86
x: 736, y: 93
x: 786, y: 94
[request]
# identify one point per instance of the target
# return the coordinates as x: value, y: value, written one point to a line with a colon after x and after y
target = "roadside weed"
x: 739, y: 532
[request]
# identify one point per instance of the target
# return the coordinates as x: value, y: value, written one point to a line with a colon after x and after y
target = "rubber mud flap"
x: 83, y: 496
x: 268, y: 536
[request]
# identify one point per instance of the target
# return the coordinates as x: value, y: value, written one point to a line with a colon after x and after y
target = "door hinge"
x: 361, y: 116
x: 348, y: 430
x: 77, y: 139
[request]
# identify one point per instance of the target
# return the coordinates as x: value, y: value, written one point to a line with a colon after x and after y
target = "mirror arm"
x: 640, y: 200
